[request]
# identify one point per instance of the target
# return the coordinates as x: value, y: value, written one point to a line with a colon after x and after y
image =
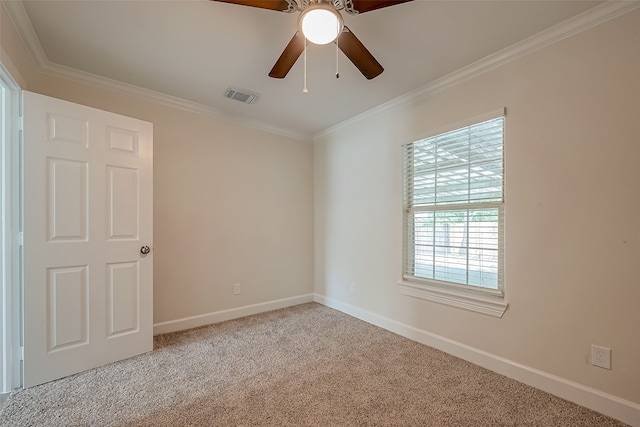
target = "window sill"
x: 467, y: 301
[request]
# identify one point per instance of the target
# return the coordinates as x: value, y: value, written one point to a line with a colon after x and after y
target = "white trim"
x: 22, y: 23
x: 582, y: 22
x: 11, y: 69
x: 605, y: 403
x: 10, y: 267
x: 479, y: 304
x: 229, y: 314
x: 100, y: 82
x: 3, y: 399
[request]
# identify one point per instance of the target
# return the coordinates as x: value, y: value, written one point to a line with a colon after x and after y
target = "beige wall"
x: 231, y: 204
x: 572, y: 209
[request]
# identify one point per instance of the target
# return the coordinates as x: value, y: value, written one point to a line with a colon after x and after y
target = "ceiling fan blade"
x: 363, y: 6
x: 288, y: 57
x: 280, y: 5
x: 358, y: 54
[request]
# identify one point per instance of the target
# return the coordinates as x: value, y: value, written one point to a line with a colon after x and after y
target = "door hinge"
x: 21, y: 354
x: 20, y: 238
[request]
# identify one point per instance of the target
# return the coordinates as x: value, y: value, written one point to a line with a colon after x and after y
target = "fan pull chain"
x: 337, y: 49
x: 304, y: 89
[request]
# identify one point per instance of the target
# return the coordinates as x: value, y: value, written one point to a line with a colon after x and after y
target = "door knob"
x: 145, y: 250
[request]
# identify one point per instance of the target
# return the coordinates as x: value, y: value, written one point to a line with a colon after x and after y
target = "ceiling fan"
x: 323, y: 14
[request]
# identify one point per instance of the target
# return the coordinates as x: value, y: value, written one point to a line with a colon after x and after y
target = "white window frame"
x: 487, y: 301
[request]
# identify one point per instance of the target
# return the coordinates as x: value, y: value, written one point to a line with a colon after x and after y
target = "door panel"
x: 67, y: 307
x: 87, y: 194
x: 123, y: 288
x: 122, y: 209
x: 67, y: 203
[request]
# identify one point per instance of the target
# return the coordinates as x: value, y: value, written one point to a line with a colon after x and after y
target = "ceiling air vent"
x: 241, y: 95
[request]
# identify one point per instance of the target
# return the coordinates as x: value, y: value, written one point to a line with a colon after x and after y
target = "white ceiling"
x: 195, y: 49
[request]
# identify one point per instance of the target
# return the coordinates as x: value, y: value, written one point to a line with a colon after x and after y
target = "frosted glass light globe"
x: 320, y: 25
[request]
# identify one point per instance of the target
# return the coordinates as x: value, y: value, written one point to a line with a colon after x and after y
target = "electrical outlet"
x: 601, y: 356
x: 236, y: 288
x: 353, y: 287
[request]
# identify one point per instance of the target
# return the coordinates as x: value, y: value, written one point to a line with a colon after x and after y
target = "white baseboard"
x: 607, y: 404
x: 222, y: 315
x: 3, y: 399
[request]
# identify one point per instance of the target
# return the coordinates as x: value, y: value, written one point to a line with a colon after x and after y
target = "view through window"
x: 453, y: 208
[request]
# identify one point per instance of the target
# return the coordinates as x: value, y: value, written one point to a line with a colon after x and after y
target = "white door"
x: 87, y: 209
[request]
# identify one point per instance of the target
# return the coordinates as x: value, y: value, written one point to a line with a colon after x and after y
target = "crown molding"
x: 72, y: 74
x: 588, y: 19
x: 577, y: 24
x: 22, y: 24
x: 21, y: 21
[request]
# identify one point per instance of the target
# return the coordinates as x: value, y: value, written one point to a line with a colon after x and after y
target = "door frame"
x: 10, y: 234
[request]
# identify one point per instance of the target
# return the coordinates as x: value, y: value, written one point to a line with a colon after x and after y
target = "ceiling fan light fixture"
x: 320, y: 23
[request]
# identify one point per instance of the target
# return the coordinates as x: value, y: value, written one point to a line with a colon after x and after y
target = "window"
x: 453, y: 209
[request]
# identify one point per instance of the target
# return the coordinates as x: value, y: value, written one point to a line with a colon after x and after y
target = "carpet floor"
x: 306, y: 365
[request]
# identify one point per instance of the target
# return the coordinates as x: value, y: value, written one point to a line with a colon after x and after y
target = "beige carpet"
x: 302, y: 366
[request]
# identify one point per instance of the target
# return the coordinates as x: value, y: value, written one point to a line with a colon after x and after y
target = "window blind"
x: 453, y: 207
